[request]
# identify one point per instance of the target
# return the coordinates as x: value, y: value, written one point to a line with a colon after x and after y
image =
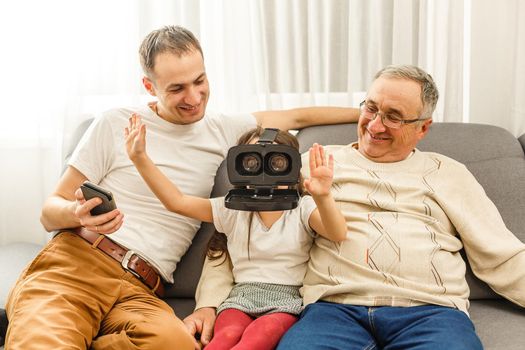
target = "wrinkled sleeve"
x: 215, y: 283
x: 216, y: 279
x: 495, y: 254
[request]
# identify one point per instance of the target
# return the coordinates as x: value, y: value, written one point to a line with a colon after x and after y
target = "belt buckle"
x: 125, y: 262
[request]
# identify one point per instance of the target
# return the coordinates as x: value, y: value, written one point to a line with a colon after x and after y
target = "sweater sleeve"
x: 215, y: 283
x: 495, y: 254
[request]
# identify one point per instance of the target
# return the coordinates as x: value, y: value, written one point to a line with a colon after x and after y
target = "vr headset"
x: 256, y: 170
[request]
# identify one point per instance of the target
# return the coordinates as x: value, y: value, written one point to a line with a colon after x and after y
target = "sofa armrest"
x: 522, y: 141
x: 14, y: 258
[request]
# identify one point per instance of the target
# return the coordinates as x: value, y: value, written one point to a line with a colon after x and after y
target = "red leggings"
x: 236, y: 330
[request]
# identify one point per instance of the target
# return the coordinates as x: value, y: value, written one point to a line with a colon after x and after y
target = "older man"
x: 398, y: 281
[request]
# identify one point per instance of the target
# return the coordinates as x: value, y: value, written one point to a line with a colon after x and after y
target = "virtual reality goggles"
x: 257, y: 170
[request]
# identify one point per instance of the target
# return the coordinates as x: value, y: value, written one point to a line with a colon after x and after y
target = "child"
x: 268, y: 250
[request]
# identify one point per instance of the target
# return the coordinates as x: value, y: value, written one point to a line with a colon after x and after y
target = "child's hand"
x: 135, y: 138
x: 321, y: 172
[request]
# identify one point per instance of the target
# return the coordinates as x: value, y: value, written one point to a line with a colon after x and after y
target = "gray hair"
x: 173, y: 39
x: 429, y: 91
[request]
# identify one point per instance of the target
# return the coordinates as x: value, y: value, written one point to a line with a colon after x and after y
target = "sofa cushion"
x: 499, y: 324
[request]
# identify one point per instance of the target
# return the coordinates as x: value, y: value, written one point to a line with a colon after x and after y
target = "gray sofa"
x: 492, y: 154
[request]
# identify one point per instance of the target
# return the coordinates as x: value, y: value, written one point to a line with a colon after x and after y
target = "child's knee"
x: 230, y: 333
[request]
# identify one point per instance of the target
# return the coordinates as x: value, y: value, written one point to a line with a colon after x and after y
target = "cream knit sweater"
x: 405, y: 221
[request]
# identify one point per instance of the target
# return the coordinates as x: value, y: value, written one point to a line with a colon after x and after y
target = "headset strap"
x: 268, y: 135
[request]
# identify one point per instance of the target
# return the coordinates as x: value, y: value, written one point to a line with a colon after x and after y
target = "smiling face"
x: 392, y: 95
x: 181, y: 86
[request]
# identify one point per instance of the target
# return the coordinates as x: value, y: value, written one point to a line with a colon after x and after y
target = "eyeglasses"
x: 389, y: 120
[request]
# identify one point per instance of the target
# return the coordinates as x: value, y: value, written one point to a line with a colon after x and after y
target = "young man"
x: 96, y: 283
x: 398, y: 281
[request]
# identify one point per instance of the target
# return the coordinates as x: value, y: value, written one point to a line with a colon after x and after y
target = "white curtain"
x: 497, y: 81
x: 65, y: 60
x: 314, y: 52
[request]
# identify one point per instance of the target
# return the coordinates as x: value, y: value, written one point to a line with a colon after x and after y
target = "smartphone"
x: 90, y: 190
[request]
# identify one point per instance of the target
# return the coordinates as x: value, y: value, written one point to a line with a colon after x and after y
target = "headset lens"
x: 251, y: 163
x: 278, y: 163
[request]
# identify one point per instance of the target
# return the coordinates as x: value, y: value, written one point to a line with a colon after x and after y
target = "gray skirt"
x: 257, y: 299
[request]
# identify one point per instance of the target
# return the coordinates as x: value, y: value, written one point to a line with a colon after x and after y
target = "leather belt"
x: 128, y: 259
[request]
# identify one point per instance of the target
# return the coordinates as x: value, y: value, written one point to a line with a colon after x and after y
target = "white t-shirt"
x: 188, y: 154
x: 278, y: 254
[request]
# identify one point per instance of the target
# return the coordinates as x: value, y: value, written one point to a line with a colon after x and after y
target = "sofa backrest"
x: 493, y: 155
x: 522, y: 141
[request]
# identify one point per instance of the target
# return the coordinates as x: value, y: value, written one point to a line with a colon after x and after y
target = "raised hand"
x: 321, y: 172
x: 135, y: 137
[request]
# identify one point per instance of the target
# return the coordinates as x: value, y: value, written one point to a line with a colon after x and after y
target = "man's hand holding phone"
x: 96, y: 209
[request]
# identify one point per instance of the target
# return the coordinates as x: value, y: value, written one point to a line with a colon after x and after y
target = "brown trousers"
x: 73, y: 296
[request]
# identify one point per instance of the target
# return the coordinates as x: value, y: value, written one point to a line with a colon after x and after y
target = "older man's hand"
x: 201, y: 322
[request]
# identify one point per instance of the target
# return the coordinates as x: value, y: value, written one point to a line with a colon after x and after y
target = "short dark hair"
x: 173, y: 39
